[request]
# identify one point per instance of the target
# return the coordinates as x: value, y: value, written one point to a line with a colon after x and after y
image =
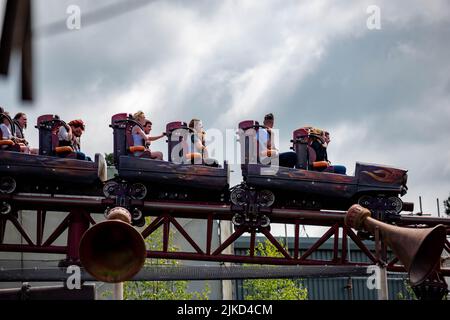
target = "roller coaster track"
x: 166, y: 215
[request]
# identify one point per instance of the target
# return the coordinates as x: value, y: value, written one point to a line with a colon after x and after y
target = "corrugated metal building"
x: 332, y: 288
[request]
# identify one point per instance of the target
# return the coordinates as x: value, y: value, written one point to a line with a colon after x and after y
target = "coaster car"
x: 184, y: 177
x: 48, y: 172
x: 376, y: 187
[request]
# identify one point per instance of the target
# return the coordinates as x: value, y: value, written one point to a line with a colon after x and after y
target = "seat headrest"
x: 248, y: 124
x: 176, y: 125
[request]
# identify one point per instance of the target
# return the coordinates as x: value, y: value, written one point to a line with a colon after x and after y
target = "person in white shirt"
x: 267, y: 147
x: 6, y: 131
x: 5, y: 125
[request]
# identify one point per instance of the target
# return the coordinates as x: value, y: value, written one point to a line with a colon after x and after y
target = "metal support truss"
x: 166, y: 214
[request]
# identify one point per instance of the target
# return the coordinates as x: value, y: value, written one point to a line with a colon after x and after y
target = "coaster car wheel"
x: 266, y: 198
x: 5, y: 208
x: 265, y: 221
x: 137, y: 214
x: 110, y: 188
x: 395, y: 204
x: 239, y: 196
x: 7, y: 185
x: 138, y: 218
x: 238, y: 220
x: 366, y: 201
x: 138, y: 191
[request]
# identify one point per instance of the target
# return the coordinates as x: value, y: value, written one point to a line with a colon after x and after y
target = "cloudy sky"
x: 383, y: 94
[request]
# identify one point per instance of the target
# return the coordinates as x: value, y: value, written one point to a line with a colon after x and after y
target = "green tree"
x: 447, y: 206
x: 273, y: 289
x: 109, y: 158
x: 161, y: 290
x: 409, y: 295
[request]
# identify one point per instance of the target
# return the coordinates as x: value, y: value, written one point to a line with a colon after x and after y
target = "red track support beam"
x: 154, y: 225
x: 185, y: 235
x: 393, y: 262
x: 90, y: 219
x: 319, y: 242
x: 166, y: 232
x: 33, y: 249
x: 40, y: 226
x: 58, y: 231
x: 245, y: 259
x: 297, y: 240
x: 21, y: 231
x: 361, y: 245
x: 276, y: 243
x: 2, y: 229
x: 209, y: 212
x: 344, y: 251
x: 209, y: 229
x: 78, y: 225
x: 336, y: 244
x: 229, y: 241
x: 252, y: 243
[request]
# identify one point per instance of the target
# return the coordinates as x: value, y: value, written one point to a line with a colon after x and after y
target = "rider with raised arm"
x: 143, y: 138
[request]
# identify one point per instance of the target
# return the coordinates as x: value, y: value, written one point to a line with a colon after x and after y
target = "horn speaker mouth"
x: 429, y: 250
x: 112, y: 251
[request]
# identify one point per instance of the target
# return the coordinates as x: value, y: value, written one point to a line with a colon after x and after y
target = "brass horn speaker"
x: 418, y: 249
x: 113, y: 251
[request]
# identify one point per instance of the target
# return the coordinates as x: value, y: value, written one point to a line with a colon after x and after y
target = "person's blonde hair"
x: 138, y: 115
x: 193, y: 123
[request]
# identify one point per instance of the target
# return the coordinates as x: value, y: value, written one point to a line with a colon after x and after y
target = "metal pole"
x: 383, y: 290
x: 420, y: 204
x: 118, y: 291
x: 382, y: 281
x: 439, y: 211
x: 349, y: 288
x: 286, y: 237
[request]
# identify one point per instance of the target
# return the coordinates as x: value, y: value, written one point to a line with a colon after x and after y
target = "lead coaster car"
x: 54, y: 171
x: 146, y: 178
x: 376, y: 187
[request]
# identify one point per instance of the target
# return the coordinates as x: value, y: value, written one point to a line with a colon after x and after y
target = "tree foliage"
x: 409, y: 295
x: 109, y: 158
x: 273, y: 289
x: 447, y: 206
x: 161, y: 290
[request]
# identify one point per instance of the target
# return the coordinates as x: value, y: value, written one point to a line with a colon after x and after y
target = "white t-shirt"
x: 263, y: 138
x: 6, y: 132
x: 63, y: 135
